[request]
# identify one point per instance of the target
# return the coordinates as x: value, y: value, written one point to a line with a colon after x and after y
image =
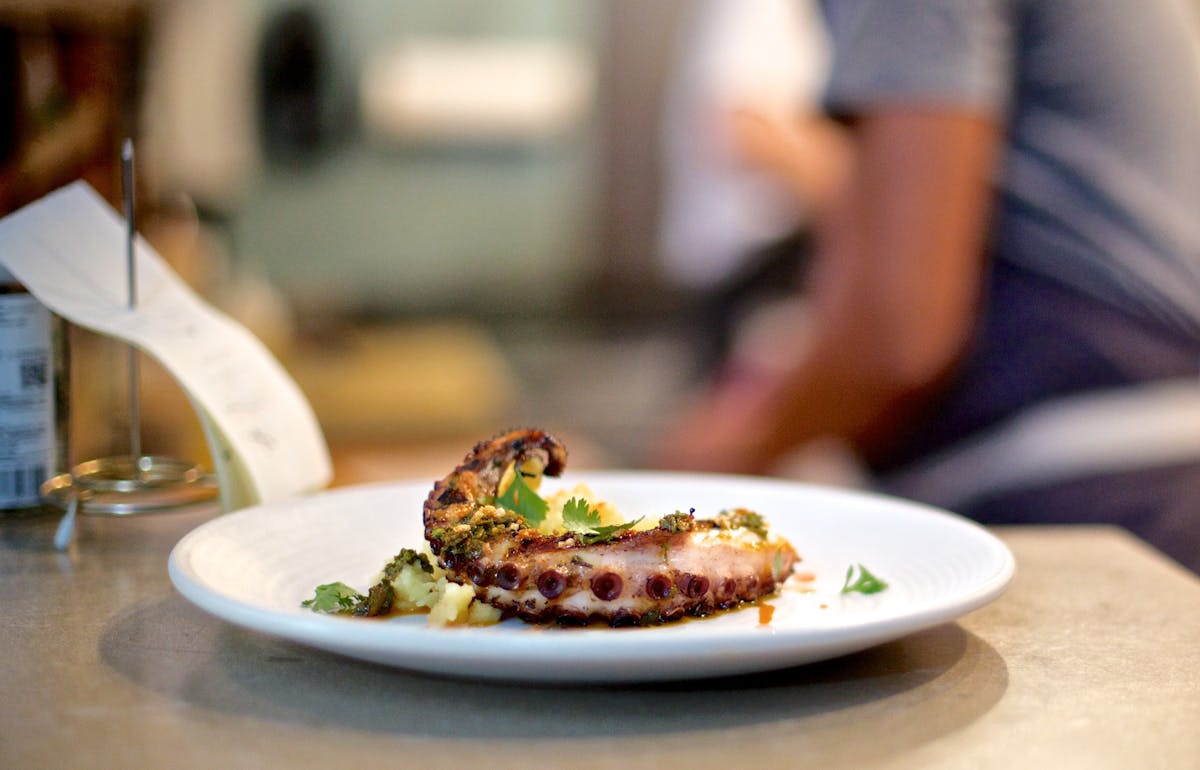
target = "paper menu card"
x: 69, y: 250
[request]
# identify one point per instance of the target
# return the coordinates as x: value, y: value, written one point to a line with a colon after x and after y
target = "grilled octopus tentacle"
x: 685, y: 566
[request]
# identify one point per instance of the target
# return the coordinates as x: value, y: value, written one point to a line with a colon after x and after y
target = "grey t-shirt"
x: 1100, y: 100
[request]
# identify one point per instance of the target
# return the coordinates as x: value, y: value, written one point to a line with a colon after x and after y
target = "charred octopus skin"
x: 684, y: 566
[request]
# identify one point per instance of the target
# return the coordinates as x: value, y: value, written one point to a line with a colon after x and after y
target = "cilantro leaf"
x: 523, y: 501
x: 333, y: 598
x: 578, y: 515
x: 866, y: 583
x: 584, y: 521
x: 605, y: 533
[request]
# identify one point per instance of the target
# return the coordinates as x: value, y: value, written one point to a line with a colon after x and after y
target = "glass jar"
x: 34, y: 400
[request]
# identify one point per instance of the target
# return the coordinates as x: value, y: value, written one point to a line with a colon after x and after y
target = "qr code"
x: 21, y: 483
x: 33, y: 373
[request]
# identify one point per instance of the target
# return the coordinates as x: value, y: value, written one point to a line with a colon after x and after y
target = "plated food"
x: 498, y: 549
x: 926, y: 567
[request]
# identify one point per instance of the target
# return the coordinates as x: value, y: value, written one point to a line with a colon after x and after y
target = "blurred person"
x: 735, y: 213
x: 199, y: 137
x: 65, y: 81
x: 1004, y: 309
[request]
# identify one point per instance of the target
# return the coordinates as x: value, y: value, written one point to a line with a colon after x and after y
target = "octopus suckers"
x: 681, y: 567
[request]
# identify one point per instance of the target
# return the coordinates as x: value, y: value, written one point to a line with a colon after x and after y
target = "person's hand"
x: 759, y: 141
x: 721, y: 431
x: 808, y: 153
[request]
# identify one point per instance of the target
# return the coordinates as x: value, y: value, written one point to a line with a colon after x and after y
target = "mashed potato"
x: 417, y: 590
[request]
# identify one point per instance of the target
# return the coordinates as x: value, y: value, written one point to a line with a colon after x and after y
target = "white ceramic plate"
x: 254, y: 567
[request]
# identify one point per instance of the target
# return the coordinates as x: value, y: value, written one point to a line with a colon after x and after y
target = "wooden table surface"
x: 1090, y: 660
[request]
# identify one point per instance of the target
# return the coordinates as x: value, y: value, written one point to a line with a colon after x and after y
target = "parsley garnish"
x: 866, y: 583
x: 333, y: 598
x: 523, y: 501
x: 678, y: 521
x: 743, y: 519
x: 406, y: 557
x: 584, y: 521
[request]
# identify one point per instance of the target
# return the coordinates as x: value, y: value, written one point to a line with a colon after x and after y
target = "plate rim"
x: 768, y: 650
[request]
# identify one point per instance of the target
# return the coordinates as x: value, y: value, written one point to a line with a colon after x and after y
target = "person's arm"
x: 808, y: 154
x: 894, y: 295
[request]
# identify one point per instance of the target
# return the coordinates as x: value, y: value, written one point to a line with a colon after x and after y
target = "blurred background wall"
x: 440, y: 214
x: 395, y: 158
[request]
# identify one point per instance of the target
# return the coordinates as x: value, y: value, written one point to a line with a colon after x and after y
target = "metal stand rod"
x: 135, y: 419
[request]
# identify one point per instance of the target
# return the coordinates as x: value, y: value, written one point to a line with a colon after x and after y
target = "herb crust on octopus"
x: 616, y: 574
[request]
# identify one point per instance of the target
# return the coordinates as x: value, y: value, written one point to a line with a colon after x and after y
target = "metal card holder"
x: 122, y: 485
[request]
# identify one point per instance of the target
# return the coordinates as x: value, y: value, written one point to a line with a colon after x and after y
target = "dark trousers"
x: 1038, y: 340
